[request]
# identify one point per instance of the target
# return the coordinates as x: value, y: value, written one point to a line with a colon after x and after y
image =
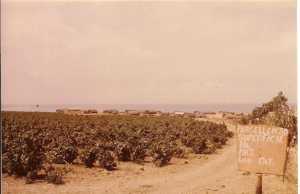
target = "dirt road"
x: 215, y: 173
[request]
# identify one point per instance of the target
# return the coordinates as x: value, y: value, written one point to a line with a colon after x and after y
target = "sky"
x: 64, y: 52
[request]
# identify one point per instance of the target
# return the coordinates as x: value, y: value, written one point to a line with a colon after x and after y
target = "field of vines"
x: 32, y: 143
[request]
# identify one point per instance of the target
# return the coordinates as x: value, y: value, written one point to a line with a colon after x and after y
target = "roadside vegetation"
x: 276, y: 112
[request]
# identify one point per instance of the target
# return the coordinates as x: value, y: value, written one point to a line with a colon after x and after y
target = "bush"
x: 198, y: 145
x: 106, y: 159
x: 210, y: 147
x: 123, y: 151
x: 89, y: 156
x: 24, y: 155
x: 276, y: 112
x: 244, y: 120
x: 65, y: 154
x: 138, y: 153
x: 161, y: 153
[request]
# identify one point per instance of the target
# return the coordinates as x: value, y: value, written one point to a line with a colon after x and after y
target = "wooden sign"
x: 262, y: 149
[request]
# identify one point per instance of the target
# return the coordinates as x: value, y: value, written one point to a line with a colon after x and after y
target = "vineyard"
x: 33, y: 142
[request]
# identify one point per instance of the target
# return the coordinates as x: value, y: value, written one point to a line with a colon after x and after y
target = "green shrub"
x: 24, y: 155
x: 123, y: 151
x: 65, y: 154
x: 89, y: 156
x: 31, y: 140
x: 161, y: 153
x: 106, y: 159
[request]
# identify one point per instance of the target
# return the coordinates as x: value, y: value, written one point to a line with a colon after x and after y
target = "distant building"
x: 111, y: 111
x: 177, y: 113
x: 153, y: 113
x: 62, y: 110
x: 74, y: 111
x: 132, y: 112
x: 90, y: 111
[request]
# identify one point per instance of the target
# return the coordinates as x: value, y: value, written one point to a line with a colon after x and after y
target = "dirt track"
x: 215, y: 173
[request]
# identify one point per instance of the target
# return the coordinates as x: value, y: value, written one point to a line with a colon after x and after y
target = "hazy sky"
x: 151, y: 52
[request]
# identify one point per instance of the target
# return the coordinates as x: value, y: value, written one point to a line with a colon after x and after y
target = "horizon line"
x: 210, y: 103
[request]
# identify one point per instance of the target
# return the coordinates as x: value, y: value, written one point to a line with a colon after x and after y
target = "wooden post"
x: 259, y: 184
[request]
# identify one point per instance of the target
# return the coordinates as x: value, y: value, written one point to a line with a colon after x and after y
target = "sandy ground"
x: 216, y: 173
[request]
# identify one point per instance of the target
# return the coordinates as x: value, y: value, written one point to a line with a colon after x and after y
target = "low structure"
x: 61, y: 110
x: 111, y: 111
x: 74, y: 111
x: 153, y: 113
x: 90, y: 111
x: 132, y: 112
x: 177, y: 113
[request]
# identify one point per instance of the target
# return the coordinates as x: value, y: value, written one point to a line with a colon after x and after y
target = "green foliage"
x: 24, y: 154
x: 32, y: 140
x: 179, y: 152
x: 123, y: 151
x: 106, y: 159
x: 207, y: 139
x: 278, y: 105
x: 161, y: 153
x: 65, y: 154
x: 89, y: 156
x: 275, y: 112
x: 244, y: 120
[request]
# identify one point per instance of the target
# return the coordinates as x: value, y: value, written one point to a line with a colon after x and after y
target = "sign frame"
x: 262, y: 149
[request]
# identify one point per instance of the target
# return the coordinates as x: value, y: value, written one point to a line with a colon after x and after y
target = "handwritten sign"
x: 262, y: 149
